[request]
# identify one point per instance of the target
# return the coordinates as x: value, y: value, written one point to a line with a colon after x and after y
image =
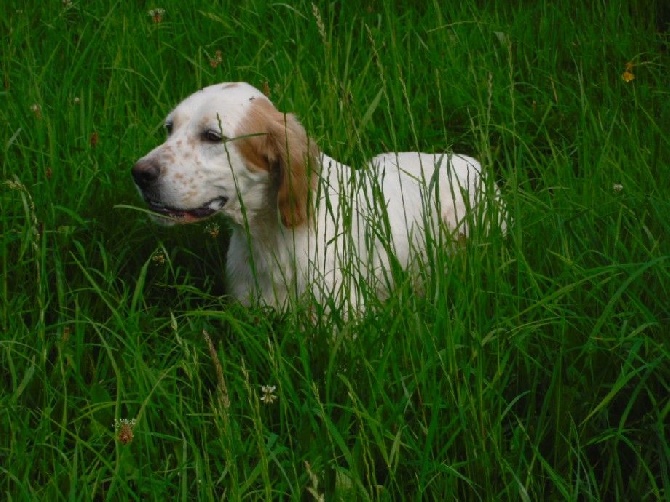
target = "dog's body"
x: 303, y: 223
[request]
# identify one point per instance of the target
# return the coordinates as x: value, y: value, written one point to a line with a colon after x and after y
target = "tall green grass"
x: 534, y: 366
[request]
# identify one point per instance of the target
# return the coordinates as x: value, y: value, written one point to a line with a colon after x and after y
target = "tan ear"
x: 278, y: 143
x: 295, y: 156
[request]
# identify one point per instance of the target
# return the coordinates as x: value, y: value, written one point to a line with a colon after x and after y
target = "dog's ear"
x: 295, y: 157
x: 277, y: 142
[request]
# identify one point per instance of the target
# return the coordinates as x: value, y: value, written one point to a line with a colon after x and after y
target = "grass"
x: 534, y: 367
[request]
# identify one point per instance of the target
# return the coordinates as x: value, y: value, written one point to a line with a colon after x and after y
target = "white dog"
x: 302, y: 223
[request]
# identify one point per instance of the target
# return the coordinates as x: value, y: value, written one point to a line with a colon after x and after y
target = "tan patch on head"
x: 232, y: 85
x: 277, y: 143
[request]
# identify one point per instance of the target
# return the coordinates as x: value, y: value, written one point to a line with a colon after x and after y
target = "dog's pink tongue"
x: 188, y: 218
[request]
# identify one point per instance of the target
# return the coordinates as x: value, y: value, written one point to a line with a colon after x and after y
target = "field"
x: 533, y: 365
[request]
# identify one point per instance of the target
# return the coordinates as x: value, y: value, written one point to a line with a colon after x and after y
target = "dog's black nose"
x: 145, y: 172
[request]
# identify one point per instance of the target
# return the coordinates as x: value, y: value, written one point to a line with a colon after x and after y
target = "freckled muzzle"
x: 146, y: 173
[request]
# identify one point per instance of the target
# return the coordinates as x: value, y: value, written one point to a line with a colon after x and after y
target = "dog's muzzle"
x: 146, y: 173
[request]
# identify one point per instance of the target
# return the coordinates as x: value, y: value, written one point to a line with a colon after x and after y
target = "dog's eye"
x: 213, y: 136
x: 168, y: 127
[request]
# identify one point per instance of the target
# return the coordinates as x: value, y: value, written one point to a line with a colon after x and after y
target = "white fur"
x: 358, y: 222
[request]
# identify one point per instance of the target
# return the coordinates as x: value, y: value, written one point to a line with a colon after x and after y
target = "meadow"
x: 533, y: 365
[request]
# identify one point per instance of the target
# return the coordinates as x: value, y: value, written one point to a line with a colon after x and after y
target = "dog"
x: 303, y: 224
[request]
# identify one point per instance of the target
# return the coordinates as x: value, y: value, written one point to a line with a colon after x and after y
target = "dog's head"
x: 229, y: 150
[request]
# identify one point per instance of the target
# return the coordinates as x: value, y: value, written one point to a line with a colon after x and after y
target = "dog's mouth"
x: 178, y: 215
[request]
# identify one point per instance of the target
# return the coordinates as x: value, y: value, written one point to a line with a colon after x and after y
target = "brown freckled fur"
x: 277, y: 143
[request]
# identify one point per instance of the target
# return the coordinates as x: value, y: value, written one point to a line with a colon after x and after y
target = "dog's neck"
x: 262, y: 230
